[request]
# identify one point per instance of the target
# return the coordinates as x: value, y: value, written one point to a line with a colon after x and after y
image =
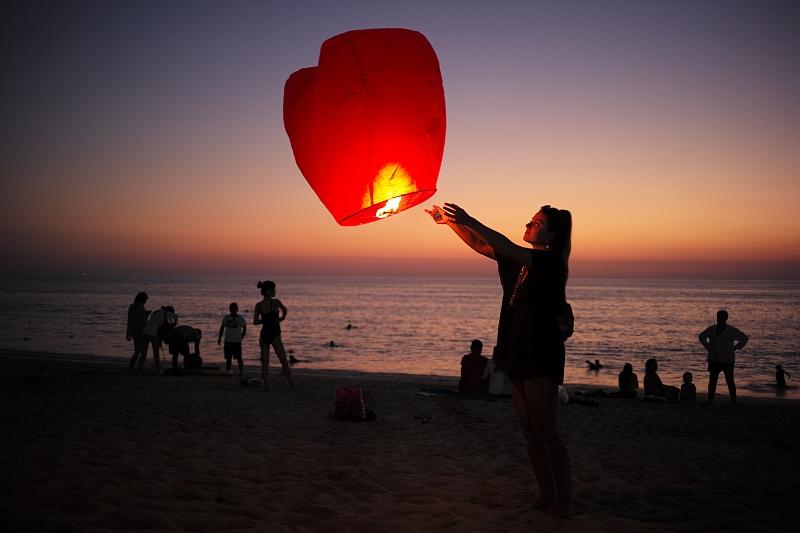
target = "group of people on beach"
x: 151, y: 329
x: 721, y: 341
x: 479, y: 374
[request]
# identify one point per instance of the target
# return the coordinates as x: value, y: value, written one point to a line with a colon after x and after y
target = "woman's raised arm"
x: 472, y: 239
x: 497, y: 241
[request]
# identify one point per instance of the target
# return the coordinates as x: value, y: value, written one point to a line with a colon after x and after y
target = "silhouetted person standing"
x: 137, y: 319
x: 780, y: 377
x: 271, y: 312
x: 530, y: 337
x: 234, y: 328
x: 722, y: 342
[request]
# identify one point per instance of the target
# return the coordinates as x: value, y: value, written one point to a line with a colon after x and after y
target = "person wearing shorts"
x: 722, y: 341
x: 234, y: 329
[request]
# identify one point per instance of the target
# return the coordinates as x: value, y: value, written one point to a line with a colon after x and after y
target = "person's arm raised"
x: 499, y: 243
x: 469, y: 237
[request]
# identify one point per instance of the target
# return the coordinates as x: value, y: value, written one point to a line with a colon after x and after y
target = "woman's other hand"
x: 437, y: 214
x: 456, y: 215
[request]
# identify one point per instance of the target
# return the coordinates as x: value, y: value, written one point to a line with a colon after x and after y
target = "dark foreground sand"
x: 87, y: 447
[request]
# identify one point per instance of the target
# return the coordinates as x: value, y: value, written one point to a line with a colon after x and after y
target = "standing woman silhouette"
x: 530, y: 342
x: 271, y: 312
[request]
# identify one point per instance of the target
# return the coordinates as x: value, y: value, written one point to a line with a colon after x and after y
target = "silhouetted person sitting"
x: 472, y: 367
x: 179, y: 345
x: 780, y: 377
x: 594, y: 366
x: 628, y: 383
x: 688, y: 390
x: 653, y: 385
x: 722, y: 342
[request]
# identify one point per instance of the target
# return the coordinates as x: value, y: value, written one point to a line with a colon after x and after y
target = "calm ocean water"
x: 424, y: 325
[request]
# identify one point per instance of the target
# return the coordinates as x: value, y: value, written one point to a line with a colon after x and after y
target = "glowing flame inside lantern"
x: 391, y: 207
x: 389, y: 185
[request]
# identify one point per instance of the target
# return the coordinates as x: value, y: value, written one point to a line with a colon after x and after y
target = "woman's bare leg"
x: 137, y: 349
x: 157, y: 355
x: 281, y: 353
x: 143, y: 357
x: 535, y: 448
x: 541, y: 395
x: 264, y: 362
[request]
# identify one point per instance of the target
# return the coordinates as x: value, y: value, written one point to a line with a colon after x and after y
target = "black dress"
x: 529, y: 341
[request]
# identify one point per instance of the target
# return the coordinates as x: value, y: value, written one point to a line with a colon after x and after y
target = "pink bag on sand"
x: 349, y: 405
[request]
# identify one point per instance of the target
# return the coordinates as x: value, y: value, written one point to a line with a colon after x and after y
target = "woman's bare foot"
x: 561, y: 508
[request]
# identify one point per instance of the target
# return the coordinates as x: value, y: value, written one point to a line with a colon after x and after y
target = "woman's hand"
x: 437, y: 214
x: 457, y: 215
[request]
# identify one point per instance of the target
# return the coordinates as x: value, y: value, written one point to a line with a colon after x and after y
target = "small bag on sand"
x: 349, y: 405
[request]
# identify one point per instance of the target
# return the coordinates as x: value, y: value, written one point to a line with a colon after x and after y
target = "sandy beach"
x: 87, y: 447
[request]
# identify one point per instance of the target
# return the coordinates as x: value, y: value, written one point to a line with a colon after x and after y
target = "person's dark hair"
x: 687, y: 377
x: 722, y: 314
x: 168, y: 308
x: 559, y: 221
x: 266, y: 287
x: 650, y: 364
x: 141, y: 298
x: 233, y: 306
x: 476, y: 345
x: 627, y: 368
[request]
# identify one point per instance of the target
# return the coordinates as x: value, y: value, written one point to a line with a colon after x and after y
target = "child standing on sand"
x: 688, y: 390
x: 234, y: 328
x: 780, y: 377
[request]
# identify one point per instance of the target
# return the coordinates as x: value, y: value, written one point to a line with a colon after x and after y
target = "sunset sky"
x: 148, y: 136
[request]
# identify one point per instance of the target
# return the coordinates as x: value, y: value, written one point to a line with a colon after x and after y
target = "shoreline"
x: 431, y: 379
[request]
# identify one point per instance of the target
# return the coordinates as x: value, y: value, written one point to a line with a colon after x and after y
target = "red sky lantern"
x: 367, y: 125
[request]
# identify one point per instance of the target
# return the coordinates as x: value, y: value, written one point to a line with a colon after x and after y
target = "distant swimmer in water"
x: 333, y: 345
x: 594, y: 366
x: 348, y: 327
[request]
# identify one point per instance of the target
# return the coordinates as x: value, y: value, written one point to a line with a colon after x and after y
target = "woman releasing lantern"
x: 530, y: 343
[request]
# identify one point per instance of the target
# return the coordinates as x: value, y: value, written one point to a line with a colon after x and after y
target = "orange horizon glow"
x: 676, y: 157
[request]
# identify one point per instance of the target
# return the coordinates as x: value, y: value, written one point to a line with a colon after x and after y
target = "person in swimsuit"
x: 530, y: 340
x: 137, y: 320
x: 270, y: 312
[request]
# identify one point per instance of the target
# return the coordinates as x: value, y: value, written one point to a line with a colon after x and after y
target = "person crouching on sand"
x: 159, y: 328
x: 529, y: 335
